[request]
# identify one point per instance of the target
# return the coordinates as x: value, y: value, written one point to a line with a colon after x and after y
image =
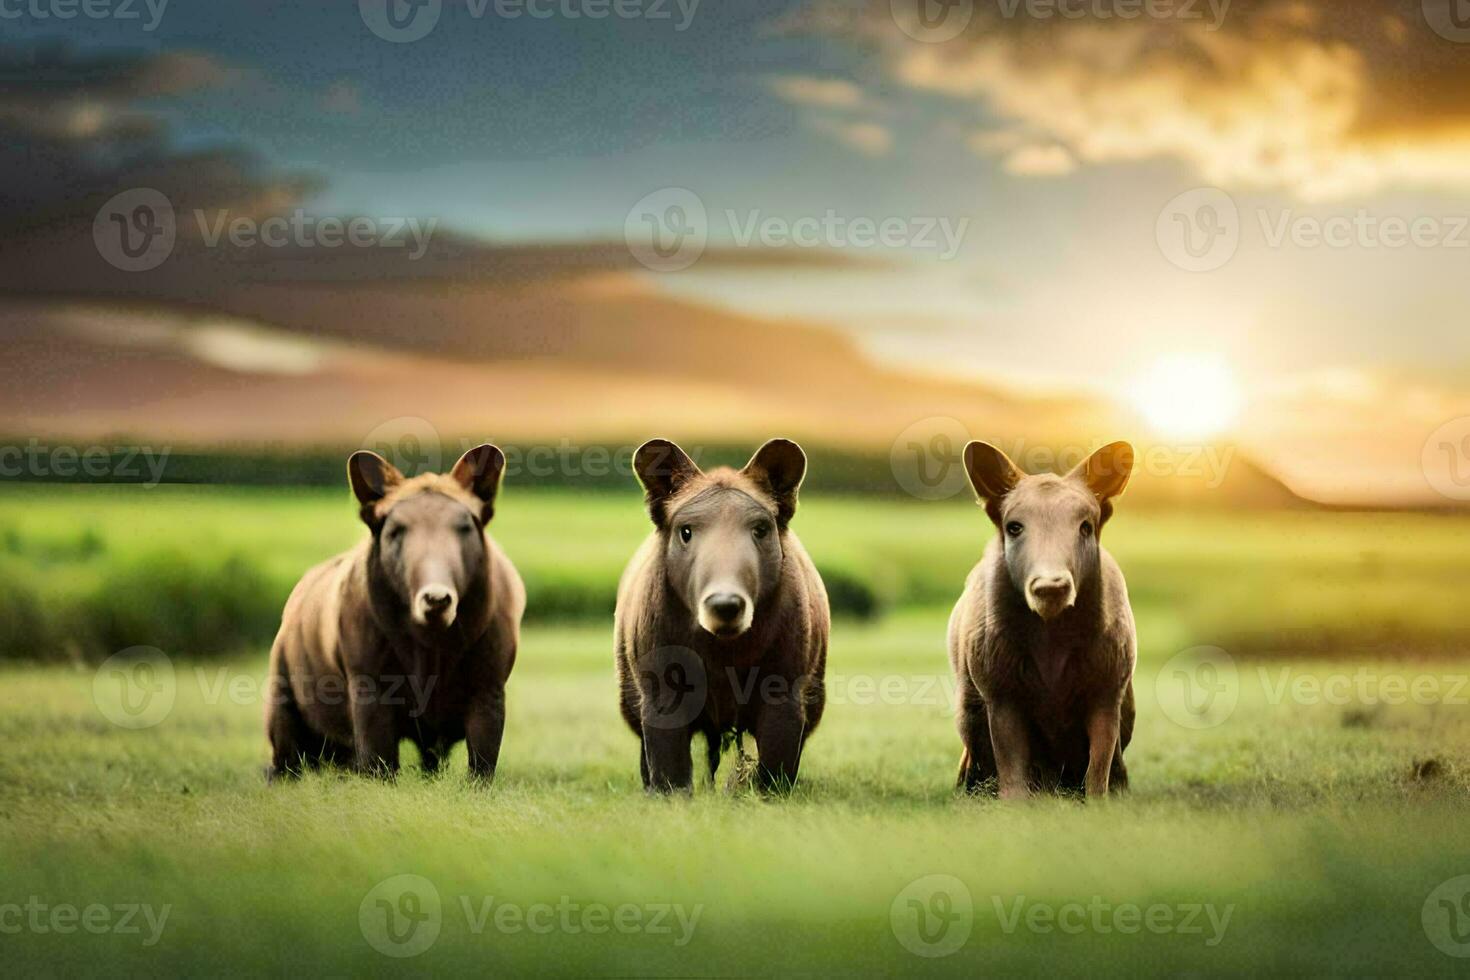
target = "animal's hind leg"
x: 977, y: 761
x: 1118, y: 772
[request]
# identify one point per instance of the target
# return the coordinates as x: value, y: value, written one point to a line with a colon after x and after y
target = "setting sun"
x: 1191, y: 396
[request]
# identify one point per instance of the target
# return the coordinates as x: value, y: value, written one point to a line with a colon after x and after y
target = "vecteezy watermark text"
x: 64, y: 919
x: 402, y: 916
x: 667, y: 230
x: 44, y: 462
x: 927, y: 458
x: 1200, y: 230
x: 67, y: 10
x: 1182, y: 10
x: 1099, y: 916
x: 405, y: 21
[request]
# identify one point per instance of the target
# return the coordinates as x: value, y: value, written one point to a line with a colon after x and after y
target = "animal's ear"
x: 992, y: 474
x: 479, y: 472
x: 372, y: 477
x: 662, y: 468
x: 779, y: 466
x: 1106, y: 473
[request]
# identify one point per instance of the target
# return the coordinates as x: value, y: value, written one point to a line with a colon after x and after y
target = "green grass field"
x: 1298, y: 805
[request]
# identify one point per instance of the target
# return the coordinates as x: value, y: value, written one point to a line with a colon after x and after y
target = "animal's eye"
x: 1087, y: 529
x: 395, y: 533
x: 685, y: 533
x: 1014, y: 529
x: 760, y: 530
x: 467, y: 528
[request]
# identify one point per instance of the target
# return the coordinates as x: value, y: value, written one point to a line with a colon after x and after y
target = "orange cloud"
x: 1323, y: 99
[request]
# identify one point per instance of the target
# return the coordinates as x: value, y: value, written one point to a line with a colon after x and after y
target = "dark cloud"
x: 77, y: 128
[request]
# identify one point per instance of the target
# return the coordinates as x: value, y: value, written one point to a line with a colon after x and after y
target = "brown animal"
x: 722, y: 619
x: 1042, y: 642
x: 412, y: 634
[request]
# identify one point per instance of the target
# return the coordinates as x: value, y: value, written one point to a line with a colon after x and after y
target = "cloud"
x: 1323, y: 99
x: 868, y: 138
x: 53, y: 92
x: 827, y: 93
x: 77, y: 128
x: 1040, y: 161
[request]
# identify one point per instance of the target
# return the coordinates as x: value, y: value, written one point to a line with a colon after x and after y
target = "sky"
x: 1081, y: 194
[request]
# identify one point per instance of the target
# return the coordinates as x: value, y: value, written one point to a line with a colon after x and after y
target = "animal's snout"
x: 435, y: 604
x: 725, y: 614
x: 1050, y: 594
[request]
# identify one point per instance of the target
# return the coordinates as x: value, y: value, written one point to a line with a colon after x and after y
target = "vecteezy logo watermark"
x: 1446, y: 459
x: 48, y: 10
x: 1199, y: 230
x: 1104, y: 918
x: 927, y: 458
x: 63, y: 919
x: 401, y: 916
x: 932, y: 21
x: 932, y: 916
x: 402, y: 21
x: 135, y: 230
x: 1198, y: 688
x: 675, y: 687
x: 1450, y: 19
x: 123, y: 463
x: 1446, y: 917
x: 135, y: 688
x: 410, y: 443
x: 668, y: 229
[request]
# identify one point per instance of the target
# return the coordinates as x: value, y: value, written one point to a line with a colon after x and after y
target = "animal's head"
x: 1049, y: 524
x: 722, y: 532
x: 428, y: 532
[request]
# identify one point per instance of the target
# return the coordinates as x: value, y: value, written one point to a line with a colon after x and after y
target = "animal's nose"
x: 436, y: 598
x: 1051, y: 586
x: 726, y: 605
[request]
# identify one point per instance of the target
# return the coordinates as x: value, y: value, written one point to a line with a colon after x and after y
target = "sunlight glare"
x: 1189, y: 396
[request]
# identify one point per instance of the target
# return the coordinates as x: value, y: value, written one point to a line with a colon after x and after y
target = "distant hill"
x: 552, y: 344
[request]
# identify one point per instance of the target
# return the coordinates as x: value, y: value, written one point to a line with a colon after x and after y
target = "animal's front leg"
x: 484, y: 728
x: 374, y: 729
x: 1010, y: 737
x: 667, y: 758
x: 1102, y: 743
x: 673, y: 694
x: 778, y: 736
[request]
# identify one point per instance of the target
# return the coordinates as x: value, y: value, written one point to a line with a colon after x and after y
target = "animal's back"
x: 309, y: 634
